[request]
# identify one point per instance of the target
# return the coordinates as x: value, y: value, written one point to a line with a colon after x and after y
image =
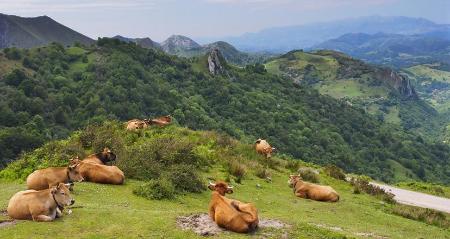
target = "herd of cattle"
x: 49, y: 189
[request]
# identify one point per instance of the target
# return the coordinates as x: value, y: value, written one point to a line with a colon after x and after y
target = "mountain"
x: 185, y: 47
x: 47, y: 93
x: 145, y: 42
x: 36, y: 31
x: 387, y: 94
x: 283, y: 39
x: 393, y: 49
x: 177, y: 44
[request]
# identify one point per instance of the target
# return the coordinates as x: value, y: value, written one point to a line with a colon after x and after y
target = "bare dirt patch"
x: 333, y: 228
x: 370, y: 235
x: 202, y: 224
x: 5, y: 223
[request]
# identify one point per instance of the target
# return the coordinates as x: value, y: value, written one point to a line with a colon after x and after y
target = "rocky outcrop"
x: 178, y: 43
x: 216, y: 62
x: 400, y: 83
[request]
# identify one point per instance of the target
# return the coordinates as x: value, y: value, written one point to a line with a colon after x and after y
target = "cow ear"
x: 229, y: 191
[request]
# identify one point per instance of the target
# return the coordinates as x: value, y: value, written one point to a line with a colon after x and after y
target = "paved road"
x: 417, y: 199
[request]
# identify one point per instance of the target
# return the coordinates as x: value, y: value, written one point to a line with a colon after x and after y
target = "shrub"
x: 293, y: 165
x: 262, y: 172
x: 156, y: 189
x: 334, y: 172
x: 309, y: 174
x: 185, y: 179
x: 237, y: 169
x: 362, y: 184
x: 426, y: 215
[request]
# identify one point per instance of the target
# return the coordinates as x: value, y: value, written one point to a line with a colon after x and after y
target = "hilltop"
x: 385, y: 93
x: 174, y: 154
x: 45, y: 98
x: 31, y: 32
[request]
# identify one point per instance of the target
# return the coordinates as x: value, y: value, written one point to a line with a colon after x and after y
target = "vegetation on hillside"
x: 48, y: 92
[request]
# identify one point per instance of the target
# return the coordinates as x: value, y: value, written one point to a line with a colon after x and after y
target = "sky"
x: 158, y: 19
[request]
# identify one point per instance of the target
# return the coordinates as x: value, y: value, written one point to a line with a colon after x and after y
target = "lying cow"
x: 49, y: 177
x: 264, y: 148
x: 136, y: 124
x: 161, y: 121
x: 231, y: 214
x: 103, y: 157
x: 43, y: 206
x: 312, y: 191
x: 98, y: 173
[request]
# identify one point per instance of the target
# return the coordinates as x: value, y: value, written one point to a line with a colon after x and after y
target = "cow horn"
x: 230, y: 187
x: 67, y: 184
x: 212, y: 184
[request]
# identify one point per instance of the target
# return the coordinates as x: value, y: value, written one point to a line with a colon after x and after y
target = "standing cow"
x: 231, y: 214
x: 312, y: 191
x: 42, y: 206
x: 264, y: 148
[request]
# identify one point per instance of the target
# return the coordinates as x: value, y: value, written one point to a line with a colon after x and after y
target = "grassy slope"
x: 113, y: 211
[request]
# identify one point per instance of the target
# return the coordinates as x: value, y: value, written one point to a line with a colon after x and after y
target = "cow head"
x: 106, y: 156
x: 73, y: 170
x: 167, y: 118
x: 61, y: 194
x: 293, y: 179
x: 220, y: 187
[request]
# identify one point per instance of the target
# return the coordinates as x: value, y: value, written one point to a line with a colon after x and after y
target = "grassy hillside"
x: 116, y: 211
x: 380, y: 91
x: 36, y: 31
x: 49, y: 92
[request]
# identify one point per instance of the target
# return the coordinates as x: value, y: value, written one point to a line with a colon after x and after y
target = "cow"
x: 161, y: 121
x: 264, y: 148
x: 312, y: 191
x: 42, y: 206
x: 231, y: 214
x: 103, y: 157
x: 98, y: 173
x: 136, y: 124
x: 49, y: 177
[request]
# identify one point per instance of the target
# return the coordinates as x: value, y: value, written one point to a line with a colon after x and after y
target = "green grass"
x: 103, y: 211
x: 427, y: 71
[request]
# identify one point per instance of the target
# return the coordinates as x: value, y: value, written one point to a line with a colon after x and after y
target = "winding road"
x: 417, y: 199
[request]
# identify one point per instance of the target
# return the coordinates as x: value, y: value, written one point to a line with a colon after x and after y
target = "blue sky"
x: 159, y: 19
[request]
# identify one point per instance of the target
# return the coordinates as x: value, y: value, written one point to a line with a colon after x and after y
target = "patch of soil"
x: 203, y: 225
x: 5, y: 223
x: 328, y: 227
x: 370, y: 235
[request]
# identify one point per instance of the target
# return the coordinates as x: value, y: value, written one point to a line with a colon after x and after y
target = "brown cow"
x: 264, y: 148
x: 161, y: 121
x: 98, y: 173
x: 312, y: 191
x: 49, y: 177
x: 136, y: 124
x: 43, y: 206
x: 101, y: 158
x: 231, y: 214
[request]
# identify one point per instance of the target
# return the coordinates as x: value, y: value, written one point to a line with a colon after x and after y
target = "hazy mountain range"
x: 283, y: 39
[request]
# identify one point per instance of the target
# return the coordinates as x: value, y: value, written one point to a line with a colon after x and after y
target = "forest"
x: 48, y: 92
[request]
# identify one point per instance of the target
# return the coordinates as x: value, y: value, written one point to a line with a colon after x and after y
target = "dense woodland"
x: 48, y: 92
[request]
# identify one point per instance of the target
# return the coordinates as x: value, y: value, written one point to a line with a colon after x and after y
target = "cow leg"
x: 248, y: 210
x: 58, y: 213
x: 42, y: 218
x: 301, y: 194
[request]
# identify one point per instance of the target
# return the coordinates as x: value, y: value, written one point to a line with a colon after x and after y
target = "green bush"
x: 334, y: 172
x: 309, y: 174
x: 362, y: 184
x: 156, y: 189
x: 262, y: 172
x: 426, y: 215
x: 237, y: 169
x: 185, y: 178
